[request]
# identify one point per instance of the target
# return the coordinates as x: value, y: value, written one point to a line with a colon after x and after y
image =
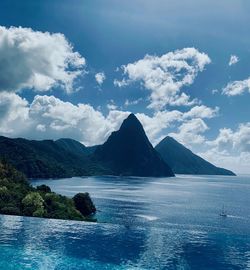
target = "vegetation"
x: 48, y: 158
x: 183, y: 161
x: 84, y: 204
x: 18, y: 197
x: 126, y: 152
x: 129, y: 152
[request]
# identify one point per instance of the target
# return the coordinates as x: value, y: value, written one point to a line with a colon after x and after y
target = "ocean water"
x: 144, y: 223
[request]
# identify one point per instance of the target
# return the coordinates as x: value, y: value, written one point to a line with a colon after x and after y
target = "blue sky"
x: 110, y: 34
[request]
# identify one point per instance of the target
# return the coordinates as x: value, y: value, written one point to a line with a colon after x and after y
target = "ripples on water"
x: 144, y: 224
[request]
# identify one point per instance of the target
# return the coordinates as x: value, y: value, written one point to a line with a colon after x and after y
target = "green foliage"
x: 84, y: 204
x: 47, y: 159
x: 4, y: 193
x: 10, y: 210
x: 33, y: 205
x: 43, y: 188
x: 184, y: 161
x: 59, y: 206
x: 17, y: 197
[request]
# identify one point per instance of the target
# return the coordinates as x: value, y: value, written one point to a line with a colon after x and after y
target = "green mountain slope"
x: 129, y: 152
x: 45, y: 159
x: 184, y: 161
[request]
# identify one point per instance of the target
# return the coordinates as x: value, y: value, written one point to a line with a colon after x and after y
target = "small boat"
x: 223, y: 213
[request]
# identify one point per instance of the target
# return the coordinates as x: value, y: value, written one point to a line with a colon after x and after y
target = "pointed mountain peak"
x: 129, y: 152
x: 132, y: 117
x: 172, y: 141
x: 132, y: 127
x: 168, y: 138
x: 131, y: 120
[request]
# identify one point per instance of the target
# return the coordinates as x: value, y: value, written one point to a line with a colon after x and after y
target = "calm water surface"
x: 144, y: 223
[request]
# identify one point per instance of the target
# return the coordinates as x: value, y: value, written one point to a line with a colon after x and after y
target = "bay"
x: 143, y: 223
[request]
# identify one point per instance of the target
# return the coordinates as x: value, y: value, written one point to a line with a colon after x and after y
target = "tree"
x: 43, y: 188
x: 33, y: 205
x: 84, y: 204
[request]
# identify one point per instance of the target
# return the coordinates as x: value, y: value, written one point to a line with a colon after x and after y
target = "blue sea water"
x: 144, y: 223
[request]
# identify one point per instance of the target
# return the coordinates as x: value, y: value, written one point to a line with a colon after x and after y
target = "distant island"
x: 127, y: 152
x: 184, y: 161
x: 18, y: 197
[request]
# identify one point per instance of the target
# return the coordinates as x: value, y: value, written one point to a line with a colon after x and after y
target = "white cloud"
x: 231, y: 149
x: 100, y: 77
x: 215, y: 91
x: 132, y: 102
x: 121, y: 83
x: 58, y: 118
x: 158, y: 123
x: 37, y: 60
x: 41, y: 128
x: 228, y: 139
x: 48, y: 117
x: 201, y: 112
x: 189, y: 133
x: 237, y: 88
x: 238, y: 163
x: 166, y: 75
x: 111, y: 105
x: 81, y: 122
x: 192, y: 127
x: 14, y: 114
x: 234, y: 59
x: 156, y: 126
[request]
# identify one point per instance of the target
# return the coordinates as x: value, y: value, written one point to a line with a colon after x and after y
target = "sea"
x: 143, y: 223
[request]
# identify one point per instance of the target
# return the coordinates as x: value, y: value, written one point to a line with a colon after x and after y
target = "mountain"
x: 72, y: 146
x: 129, y: 152
x: 184, y: 161
x: 48, y: 158
x: 126, y: 152
x: 75, y: 147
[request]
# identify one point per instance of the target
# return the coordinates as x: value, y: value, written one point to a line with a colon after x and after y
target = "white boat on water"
x: 223, y: 213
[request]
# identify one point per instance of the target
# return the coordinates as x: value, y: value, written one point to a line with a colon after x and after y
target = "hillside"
x: 47, y: 158
x: 184, y: 161
x: 129, y: 152
x: 18, y: 197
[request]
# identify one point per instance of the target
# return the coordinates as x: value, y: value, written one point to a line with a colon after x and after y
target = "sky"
x: 77, y: 69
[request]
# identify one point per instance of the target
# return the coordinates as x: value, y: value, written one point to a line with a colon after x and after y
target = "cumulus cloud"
x: 190, y: 132
x: 48, y: 117
x: 14, y: 114
x: 201, y: 112
x: 230, y: 149
x: 81, y: 122
x: 100, y: 77
x: 166, y: 75
x: 237, y: 88
x: 238, y: 140
x: 156, y: 124
x: 193, y: 126
x: 238, y: 163
x: 111, y: 105
x: 37, y: 60
x: 189, y: 123
x: 234, y: 59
